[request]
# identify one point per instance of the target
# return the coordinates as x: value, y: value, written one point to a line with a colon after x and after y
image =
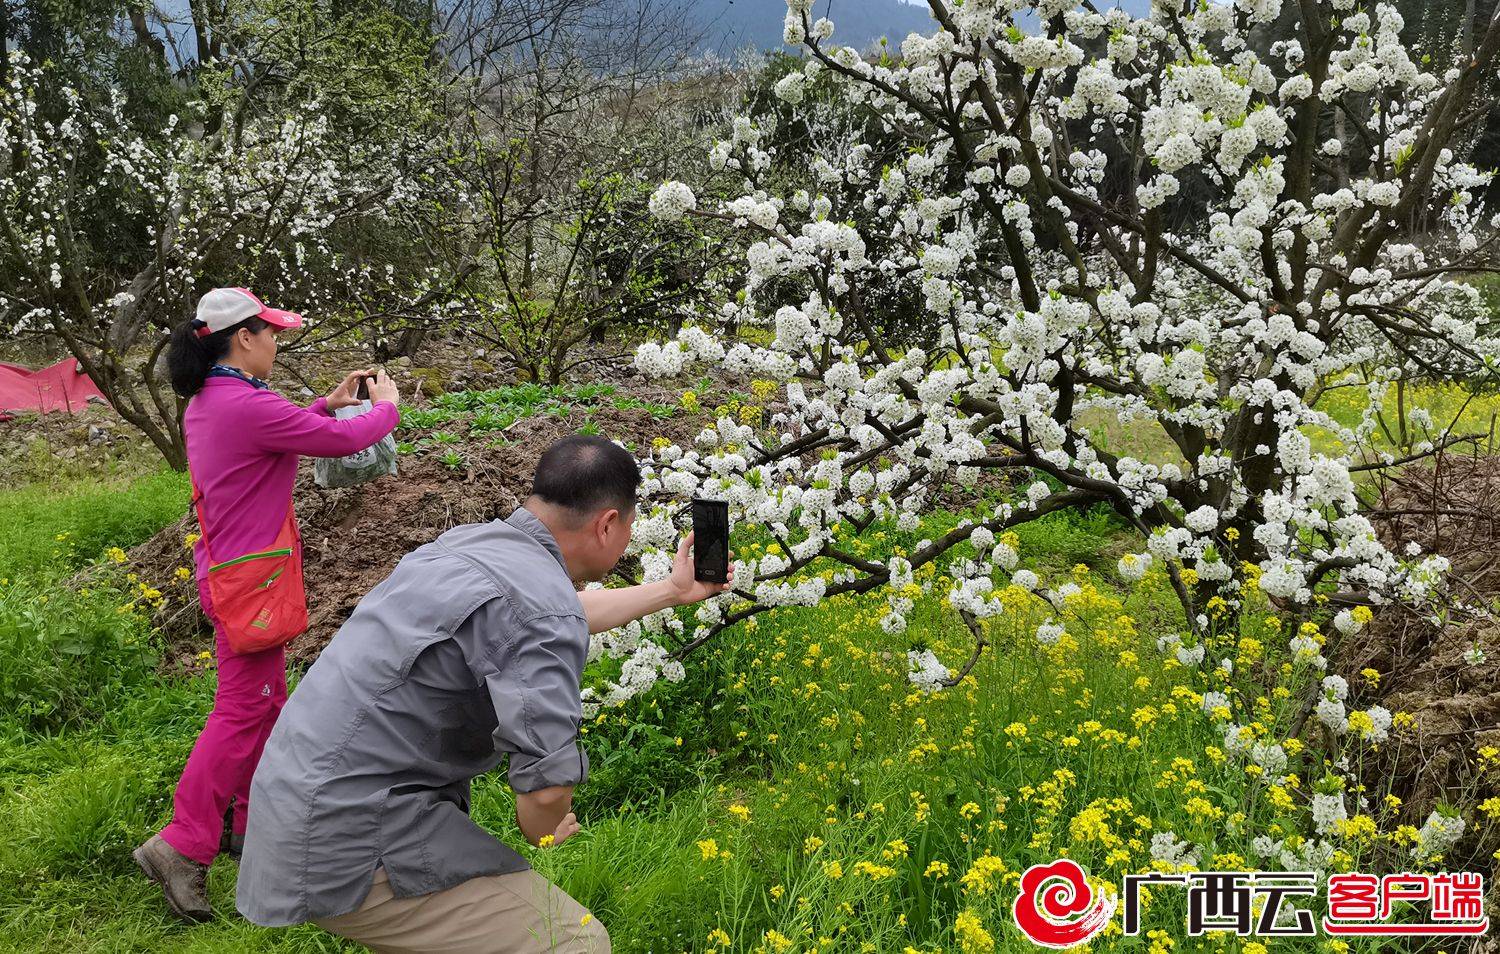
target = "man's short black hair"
x: 585, y: 473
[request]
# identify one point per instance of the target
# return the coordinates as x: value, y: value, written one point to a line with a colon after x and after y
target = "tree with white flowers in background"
x: 1144, y: 219
x: 287, y: 166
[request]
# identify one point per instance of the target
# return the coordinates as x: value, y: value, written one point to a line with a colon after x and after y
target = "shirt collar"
x: 524, y: 519
x: 224, y: 371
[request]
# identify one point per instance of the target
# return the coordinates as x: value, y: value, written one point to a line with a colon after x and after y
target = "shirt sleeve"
x: 538, y: 708
x: 320, y: 406
x: 279, y: 426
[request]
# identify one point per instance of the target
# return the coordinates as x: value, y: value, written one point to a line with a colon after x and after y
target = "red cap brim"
x: 281, y: 319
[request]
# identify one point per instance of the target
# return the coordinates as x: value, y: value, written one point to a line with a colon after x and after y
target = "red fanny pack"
x: 259, y: 599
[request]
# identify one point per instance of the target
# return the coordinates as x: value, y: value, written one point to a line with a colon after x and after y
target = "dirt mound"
x: 455, y: 471
x: 1445, y: 674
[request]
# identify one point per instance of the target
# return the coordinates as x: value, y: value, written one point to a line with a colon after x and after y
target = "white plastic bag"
x: 374, y: 461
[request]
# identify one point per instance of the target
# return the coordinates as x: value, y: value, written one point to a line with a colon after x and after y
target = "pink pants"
x: 252, y: 690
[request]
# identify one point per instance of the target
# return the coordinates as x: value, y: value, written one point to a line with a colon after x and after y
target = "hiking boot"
x: 183, y: 880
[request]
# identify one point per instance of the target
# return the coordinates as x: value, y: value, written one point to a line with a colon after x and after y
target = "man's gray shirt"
x: 469, y: 651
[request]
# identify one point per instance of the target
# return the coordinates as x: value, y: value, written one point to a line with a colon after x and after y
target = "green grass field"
x: 793, y: 793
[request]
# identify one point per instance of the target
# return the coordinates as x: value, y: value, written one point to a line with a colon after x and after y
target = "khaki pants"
x: 496, y: 914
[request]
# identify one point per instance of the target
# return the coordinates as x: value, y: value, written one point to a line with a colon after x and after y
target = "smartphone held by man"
x: 710, y: 540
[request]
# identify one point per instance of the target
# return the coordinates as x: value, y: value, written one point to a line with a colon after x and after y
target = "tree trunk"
x: 411, y: 340
x: 1341, y: 161
x: 122, y: 385
x: 4, y: 43
x: 201, y: 28
x: 143, y: 35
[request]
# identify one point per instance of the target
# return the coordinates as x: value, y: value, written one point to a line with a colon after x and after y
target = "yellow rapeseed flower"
x: 983, y: 875
x: 873, y: 871
x: 778, y: 941
x: 971, y: 935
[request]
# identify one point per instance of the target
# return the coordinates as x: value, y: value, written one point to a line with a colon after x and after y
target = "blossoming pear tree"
x: 110, y: 228
x: 1149, y: 220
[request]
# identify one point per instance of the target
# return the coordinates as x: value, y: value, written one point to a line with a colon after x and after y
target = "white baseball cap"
x: 226, y: 307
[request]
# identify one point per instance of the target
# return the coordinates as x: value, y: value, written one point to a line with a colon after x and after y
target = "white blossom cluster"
x: 1328, y: 809
x: 1169, y: 852
x: 926, y: 671
x: 1308, y: 854
x: 1438, y: 833
x: 672, y: 201
x: 1331, y: 712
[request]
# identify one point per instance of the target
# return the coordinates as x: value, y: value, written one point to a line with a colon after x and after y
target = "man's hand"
x: 546, y: 813
x: 566, y: 829
x: 609, y: 608
x: 681, y: 585
x: 343, y: 395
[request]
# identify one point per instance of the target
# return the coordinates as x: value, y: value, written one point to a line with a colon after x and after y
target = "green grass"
x: 60, y: 528
x: 793, y: 792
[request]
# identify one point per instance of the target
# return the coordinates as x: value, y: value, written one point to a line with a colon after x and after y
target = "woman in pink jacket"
x: 243, y: 441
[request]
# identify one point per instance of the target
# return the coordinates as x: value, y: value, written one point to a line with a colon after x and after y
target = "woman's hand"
x: 684, y: 588
x: 384, y: 389
x: 344, y: 394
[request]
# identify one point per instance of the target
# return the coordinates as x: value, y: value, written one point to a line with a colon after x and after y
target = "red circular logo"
x: 1056, y: 906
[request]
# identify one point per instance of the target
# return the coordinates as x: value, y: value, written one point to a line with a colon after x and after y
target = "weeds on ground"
x: 493, y: 411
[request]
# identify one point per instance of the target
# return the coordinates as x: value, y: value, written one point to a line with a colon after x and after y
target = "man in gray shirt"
x: 469, y: 652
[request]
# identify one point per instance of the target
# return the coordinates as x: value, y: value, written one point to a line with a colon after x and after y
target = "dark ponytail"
x: 190, y: 357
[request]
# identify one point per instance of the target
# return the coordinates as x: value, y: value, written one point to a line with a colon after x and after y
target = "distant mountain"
x: 731, y: 25
x: 1137, y: 8
x: 726, y: 25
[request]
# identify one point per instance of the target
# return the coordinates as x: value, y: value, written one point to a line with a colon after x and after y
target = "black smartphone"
x: 363, y: 391
x: 711, y: 540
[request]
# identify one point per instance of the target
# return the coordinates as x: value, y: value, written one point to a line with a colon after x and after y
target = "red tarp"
x: 62, y: 387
